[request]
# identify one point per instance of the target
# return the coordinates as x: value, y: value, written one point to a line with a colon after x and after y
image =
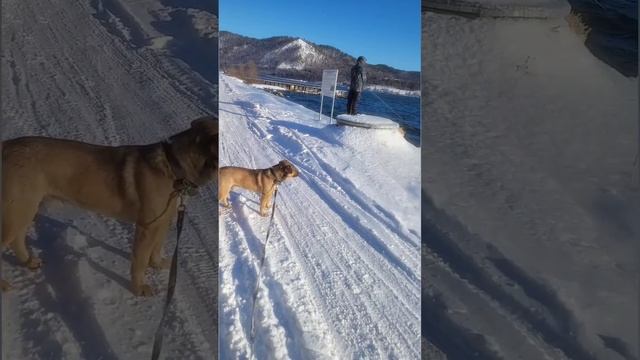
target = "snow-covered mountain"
x: 297, y: 54
x: 303, y: 59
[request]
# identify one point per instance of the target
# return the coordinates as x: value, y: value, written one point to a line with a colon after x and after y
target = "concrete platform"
x: 366, y: 121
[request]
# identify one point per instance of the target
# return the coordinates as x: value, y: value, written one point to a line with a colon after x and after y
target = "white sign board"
x: 328, y: 88
x: 329, y: 81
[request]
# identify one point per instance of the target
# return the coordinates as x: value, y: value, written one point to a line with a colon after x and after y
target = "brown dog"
x: 134, y: 184
x: 262, y: 181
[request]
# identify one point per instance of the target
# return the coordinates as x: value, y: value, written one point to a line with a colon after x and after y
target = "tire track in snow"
x: 539, y: 309
x: 276, y: 308
x: 269, y: 338
x: 340, y: 182
x: 358, y: 283
x: 85, y: 84
x: 357, y: 199
x: 294, y: 324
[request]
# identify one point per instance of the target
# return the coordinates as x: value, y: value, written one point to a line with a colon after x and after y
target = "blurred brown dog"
x: 135, y: 184
x: 262, y: 181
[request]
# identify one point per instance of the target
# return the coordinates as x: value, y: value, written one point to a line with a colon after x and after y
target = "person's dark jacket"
x: 358, y: 77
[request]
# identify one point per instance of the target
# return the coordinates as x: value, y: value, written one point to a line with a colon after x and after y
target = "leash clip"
x: 181, y: 206
x: 185, y: 187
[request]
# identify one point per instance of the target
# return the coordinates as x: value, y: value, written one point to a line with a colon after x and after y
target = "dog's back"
x: 230, y: 176
x: 88, y: 175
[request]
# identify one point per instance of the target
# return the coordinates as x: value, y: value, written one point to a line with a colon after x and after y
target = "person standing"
x: 358, y: 78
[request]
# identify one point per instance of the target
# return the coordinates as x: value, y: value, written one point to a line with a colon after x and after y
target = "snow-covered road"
x: 96, y: 72
x: 342, y: 275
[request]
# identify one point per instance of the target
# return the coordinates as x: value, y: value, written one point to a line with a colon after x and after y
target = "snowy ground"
x: 107, y: 72
x: 342, y: 275
x: 530, y: 211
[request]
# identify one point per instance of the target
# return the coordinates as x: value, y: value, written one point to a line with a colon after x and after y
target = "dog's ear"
x: 206, y: 140
x: 206, y: 127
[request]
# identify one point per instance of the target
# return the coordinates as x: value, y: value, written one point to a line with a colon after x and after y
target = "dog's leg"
x: 140, y: 257
x: 268, y: 203
x: 16, y: 222
x: 31, y: 261
x: 265, y: 199
x: 4, y: 285
x: 223, y: 195
x: 16, y: 218
x: 157, y: 261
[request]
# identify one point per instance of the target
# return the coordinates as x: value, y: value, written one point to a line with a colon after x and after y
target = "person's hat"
x: 362, y: 59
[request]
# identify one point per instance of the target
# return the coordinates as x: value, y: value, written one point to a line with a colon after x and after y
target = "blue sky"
x: 385, y: 31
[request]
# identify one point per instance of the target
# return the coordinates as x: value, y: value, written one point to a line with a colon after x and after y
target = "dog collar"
x: 275, y: 176
x: 174, y: 164
x: 185, y: 187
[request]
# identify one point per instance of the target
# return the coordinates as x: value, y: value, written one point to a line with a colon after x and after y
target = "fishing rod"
x: 387, y: 105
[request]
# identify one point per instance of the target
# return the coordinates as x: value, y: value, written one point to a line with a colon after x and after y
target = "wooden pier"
x: 294, y: 85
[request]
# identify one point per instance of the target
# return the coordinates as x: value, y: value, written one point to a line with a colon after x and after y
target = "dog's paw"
x: 163, y: 264
x: 34, y: 263
x: 4, y: 285
x: 143, y: 290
